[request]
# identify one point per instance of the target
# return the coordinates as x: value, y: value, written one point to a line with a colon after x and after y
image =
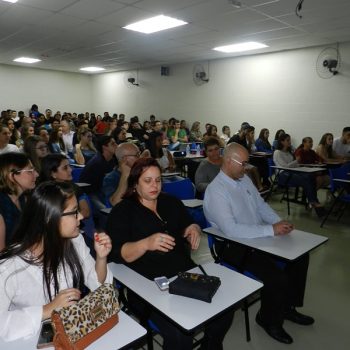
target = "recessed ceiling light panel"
x: 155, y: 24
x: 12, y: 1
x: 240, y: 47
x: 26, y: 60
x: 92, y: 69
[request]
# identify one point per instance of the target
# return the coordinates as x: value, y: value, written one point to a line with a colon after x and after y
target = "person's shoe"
x: 294, y: 316
x: 320, y: 211
x: 276, y: 332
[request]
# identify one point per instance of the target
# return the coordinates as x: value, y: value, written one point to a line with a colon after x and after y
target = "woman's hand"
x: 160, y: 241
x: 64, y: 298
x: 193, y: 235
x: 102, y: 245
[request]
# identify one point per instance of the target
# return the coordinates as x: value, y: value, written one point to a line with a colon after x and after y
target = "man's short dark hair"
x: 346, y: 129
x: 103, y: 141
x: 211, y: 141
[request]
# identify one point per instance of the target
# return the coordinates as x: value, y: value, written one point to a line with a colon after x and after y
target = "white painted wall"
x: 278, y: 90
x: 22, y: 87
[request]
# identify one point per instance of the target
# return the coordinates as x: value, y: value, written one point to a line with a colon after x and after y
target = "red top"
x: 307, y: 157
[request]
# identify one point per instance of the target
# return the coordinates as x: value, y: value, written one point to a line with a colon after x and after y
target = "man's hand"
x: 282, y: 228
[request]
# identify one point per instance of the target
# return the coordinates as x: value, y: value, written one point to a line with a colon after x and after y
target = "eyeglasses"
x: 17, y: 172
x: 74, y: 212
x: 243, y: 164
x: 133, y: 155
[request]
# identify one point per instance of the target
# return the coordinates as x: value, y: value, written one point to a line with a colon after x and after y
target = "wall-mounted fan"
x: 200, y: 75
x: 131, y: 79
x: 328, y: 62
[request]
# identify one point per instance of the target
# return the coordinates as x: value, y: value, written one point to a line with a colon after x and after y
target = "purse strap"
x: 202, y: 269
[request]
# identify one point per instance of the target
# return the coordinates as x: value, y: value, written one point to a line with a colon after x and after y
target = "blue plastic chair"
x: 76, y: 174
x: 182, y: 189
x: 342, y: 188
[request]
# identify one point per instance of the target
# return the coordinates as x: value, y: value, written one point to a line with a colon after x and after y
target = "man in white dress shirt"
x: 341, y: 145
x: 234, y: 206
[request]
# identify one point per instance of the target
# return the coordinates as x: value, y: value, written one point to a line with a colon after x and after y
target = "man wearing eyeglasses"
x: 234, y: 206
x: 115, y: 182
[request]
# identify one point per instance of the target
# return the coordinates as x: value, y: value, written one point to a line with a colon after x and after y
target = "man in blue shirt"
x: 234, y: 206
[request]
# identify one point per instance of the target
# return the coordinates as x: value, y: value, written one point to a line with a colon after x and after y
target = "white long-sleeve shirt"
x: 236, y: 208
x: 22, y: 295
x: 284, y: 159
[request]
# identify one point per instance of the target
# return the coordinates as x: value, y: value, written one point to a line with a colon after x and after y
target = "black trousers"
x: 284, y: 286
x: 173, y: 337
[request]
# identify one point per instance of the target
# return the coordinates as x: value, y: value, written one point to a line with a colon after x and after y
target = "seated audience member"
x: 138, y: 133
x: 160, y: 153
x: 226, y: 133
x: 325, y: 149
x: 112, y: 125
x: 284, y: 158
x: 94, y: 171
x: 233, y: 205
x: 56, y: 143
x: 206, y: 129
x: 115, y: 183
x: 67, y: 136
x: 177, y: 135
x: 277, y: 136
x: 56, y: 167
x: 183, y: 126
x: 5, y: 136
x: 147, y: 127
x: 213, y: 132
x: 262, y: 143
x: 240, y: 137
x: 48, y: 264
x: 341, y: 145
x: 15, y: 134
x: 44, y: 135
x: 195, y: 133
x: 17, y: 176
x: 306, y: 155
x: 84, y: 150
x: 125, y: 126
x: 119, y: 135
x: 36, y: 149
x: 157, y: 128
x: 152, y: 233
x: 209, y: 167
x: 101, y: 125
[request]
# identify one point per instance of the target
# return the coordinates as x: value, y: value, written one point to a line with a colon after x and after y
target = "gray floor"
x: 327, y: 295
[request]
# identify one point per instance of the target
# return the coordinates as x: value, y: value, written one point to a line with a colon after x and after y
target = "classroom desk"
x: 124, y: 333
x: 288, y: 247
x: 82, y: 184
x: 300, y: 169
x: 187, y: 313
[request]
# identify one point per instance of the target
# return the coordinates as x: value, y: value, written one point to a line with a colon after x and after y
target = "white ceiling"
x: 69, y: 34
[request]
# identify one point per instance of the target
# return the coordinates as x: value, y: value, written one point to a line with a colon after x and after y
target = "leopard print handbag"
x: 78, y: 325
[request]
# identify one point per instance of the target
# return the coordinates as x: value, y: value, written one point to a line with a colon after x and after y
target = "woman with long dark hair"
x: 48, y: 263
x: 153, y: 234
x: 36, y: 149
x: 17, y: 176
x: 56, y: 167
x: 262, y: 143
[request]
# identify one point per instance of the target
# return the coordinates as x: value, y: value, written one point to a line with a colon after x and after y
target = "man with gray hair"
x: 115, y: 182
x: 234, y: 206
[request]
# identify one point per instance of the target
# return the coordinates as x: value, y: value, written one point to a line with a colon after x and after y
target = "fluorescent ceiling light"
x: 26, y: 60
x: 240, y: 47
x: 13, y: 1
x: 155, y: 24
x: 92, y: 69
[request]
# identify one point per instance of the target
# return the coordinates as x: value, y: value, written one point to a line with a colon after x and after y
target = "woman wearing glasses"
x: 153, y: 234
x: 56, y: 167
x: 48, y: 263
x: 17, y: 175
x: 36, y: 149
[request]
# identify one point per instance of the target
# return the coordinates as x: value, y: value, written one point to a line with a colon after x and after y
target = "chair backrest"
x: 338, y: 173
x: 182, y: 189
x: 76, y: 174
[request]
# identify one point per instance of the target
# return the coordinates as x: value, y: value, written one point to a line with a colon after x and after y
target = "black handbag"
x: 195, y: 285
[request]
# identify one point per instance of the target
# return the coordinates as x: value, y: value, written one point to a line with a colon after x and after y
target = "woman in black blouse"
x: 153, y: 234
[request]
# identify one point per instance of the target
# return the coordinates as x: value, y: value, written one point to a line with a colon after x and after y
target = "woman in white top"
x: 48, y: 263
x: 284, y: 158
x: 161, y: 154
x: 226, y: 133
